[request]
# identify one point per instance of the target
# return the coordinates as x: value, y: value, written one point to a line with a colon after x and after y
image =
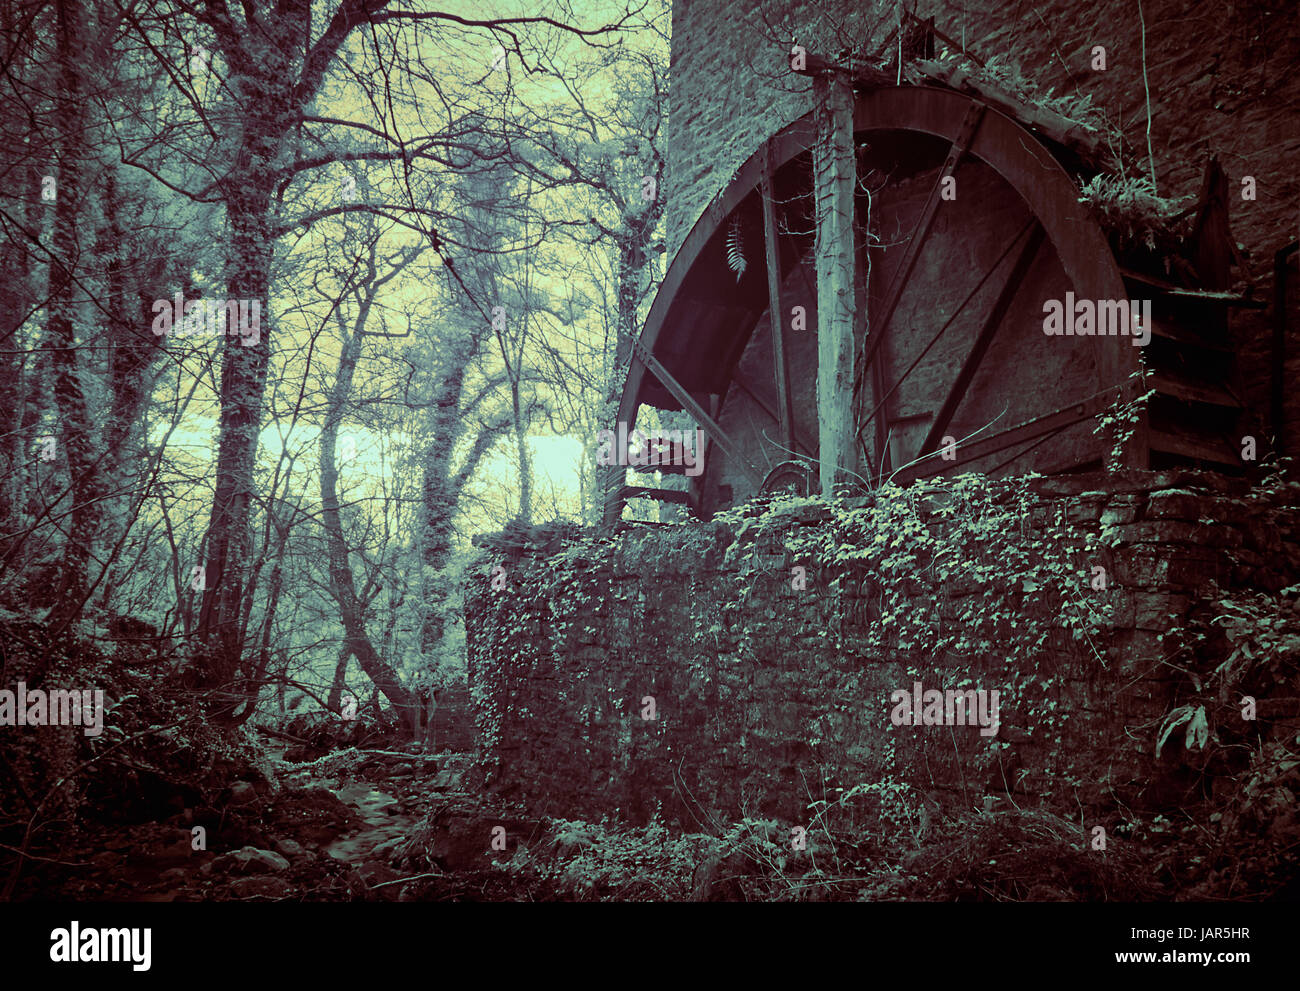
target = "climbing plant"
x: 975, y: 576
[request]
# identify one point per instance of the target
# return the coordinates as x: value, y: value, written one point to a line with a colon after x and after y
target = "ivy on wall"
x: 971, y: 582
x: 967, y: 584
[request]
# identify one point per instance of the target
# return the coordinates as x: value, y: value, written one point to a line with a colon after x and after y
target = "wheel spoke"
x: 982, y: 341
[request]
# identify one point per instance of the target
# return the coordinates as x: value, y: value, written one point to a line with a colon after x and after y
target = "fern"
x: 735, y: 250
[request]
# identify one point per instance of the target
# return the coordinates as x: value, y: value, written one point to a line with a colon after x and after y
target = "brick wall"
x: 767, y: 699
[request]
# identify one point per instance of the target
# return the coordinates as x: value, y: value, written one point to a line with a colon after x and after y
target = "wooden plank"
x: 983, y: 340
x: 1166, y: 384
x: 1197, y: 446
x: 776, y: 313
x: 680, y: 497
x: 1218, y: 297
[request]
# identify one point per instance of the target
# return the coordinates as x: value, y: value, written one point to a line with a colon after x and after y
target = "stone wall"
x: 772, y: 689
x: 1218, y: 74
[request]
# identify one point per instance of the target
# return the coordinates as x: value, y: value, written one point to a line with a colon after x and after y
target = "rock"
x: 461, y: 839
x: 445, y: 781
x: 261, y: 887
x: 374, y: 874
x: 242, y: 793
x: 388, y: 849
x: 177, y: 850
x: 251, y: 860
x: 290, y: 848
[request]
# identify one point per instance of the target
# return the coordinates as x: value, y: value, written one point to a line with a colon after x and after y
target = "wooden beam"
x: 1165, y: 288
x: 710, y: 425
x: 776, y: 313
x: 834, y: 178
x: 1066, y: 416
x: 1192, y: 391
x: 875, y: 337
x: 983, y: 340
x: 1200, y: 447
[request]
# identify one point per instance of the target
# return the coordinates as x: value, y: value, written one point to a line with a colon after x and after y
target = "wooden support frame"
x: 974, y: 358
x: 776, y: 313
x: 1057, y: 420
x: 834, y: 184
x: 894, y: 294
x: 880, y: 403
x: 708, y: 423
x: 1004, y: 145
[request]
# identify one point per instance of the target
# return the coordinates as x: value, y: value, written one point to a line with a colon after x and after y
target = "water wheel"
x: 968, y: 225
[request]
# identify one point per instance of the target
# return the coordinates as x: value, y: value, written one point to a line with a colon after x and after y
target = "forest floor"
x: 325, y: 830
x: 378, y: 819
x: 391, y: 823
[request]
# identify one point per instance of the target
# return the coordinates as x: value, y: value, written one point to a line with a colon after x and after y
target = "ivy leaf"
x: 1176, y: 718
x: 1198, y: 730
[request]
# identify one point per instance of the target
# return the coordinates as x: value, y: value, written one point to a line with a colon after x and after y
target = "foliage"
x: 1234, y: 835
x: 1011, y: 855
x: 609, y: 862
x: 1118, y: 420
x: 1129, y: 207
x: 1007, y: 75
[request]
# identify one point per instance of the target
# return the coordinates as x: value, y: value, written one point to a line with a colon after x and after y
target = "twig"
x: 402, y: 880
x: 1151, y: 159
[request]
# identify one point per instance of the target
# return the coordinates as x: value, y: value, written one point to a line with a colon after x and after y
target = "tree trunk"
x: 342, y: 583
x: 335, y: 701
x: 243, y: 380
x: 79, y: 445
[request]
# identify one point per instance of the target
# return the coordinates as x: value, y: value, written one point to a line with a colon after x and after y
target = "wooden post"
x: 834, y: 175
x: 776, y: 314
